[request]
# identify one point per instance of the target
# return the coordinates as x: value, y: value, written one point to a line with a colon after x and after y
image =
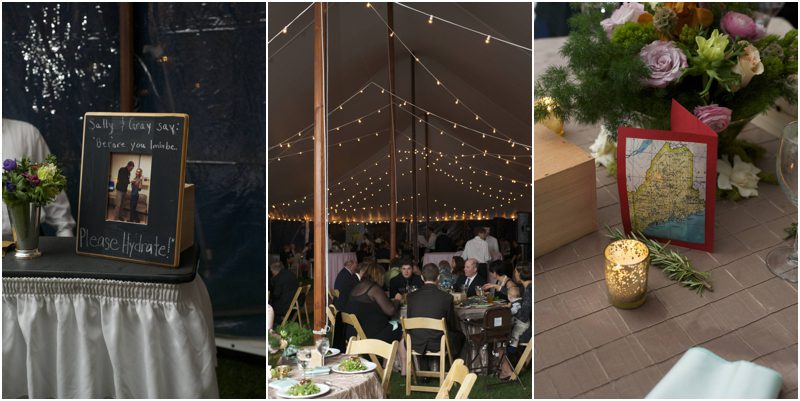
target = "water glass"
x: 782, y: 261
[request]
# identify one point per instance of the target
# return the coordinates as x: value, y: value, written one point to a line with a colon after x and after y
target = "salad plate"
x: 341, y: 367
x: 301, y: 390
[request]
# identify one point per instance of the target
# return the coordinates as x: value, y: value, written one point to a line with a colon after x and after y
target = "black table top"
x: 59, y: 260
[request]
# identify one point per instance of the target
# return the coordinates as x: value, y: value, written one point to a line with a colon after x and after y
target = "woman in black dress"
x: 372, y: 307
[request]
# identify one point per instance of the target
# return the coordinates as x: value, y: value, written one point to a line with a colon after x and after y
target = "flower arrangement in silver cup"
x: 28, y: 182
x: 626, y: 66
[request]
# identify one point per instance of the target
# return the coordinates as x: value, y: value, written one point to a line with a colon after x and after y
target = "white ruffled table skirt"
x: 84, y: 338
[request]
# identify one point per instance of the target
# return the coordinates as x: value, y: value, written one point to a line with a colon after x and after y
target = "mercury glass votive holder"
x: 627, y: 263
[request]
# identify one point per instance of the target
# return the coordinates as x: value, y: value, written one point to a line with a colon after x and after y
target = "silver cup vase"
x: 25, y: 228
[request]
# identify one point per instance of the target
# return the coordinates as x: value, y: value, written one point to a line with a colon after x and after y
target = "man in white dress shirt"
x: 494, y: 247
x: 21, y: 139
x: 478, y: 249
x: 431, y: 240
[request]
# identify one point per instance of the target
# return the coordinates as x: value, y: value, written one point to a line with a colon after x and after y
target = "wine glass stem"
x: 793, y: 256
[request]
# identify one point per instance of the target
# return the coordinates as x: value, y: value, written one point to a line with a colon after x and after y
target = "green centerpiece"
x: 27, y: 187
x: 625, y: 67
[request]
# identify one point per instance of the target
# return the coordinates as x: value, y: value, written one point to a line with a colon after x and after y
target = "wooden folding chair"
x: 306, y: 302
x: 330, y: 311
x: 523, y: 360
x: 348, y: 318
x: 294, y: 306
x: 444, y: 348
x: 376, y: 347
x: 458, y: 374
x: 333, y: 294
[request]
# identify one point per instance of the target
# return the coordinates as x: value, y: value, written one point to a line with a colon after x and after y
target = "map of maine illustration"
x: 666, y: 188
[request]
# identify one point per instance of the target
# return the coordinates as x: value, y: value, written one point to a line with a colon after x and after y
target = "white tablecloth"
x: 336, y: 262
x: 83, y: 338
x: 436, y: 257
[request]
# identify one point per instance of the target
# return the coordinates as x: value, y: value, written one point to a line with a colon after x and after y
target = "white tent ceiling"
x: 493, y: 80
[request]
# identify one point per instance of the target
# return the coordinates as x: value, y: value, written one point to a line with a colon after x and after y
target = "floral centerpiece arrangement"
x: 713, y: 58
x: 28, y: 186
x: 27, y: 182
x: 285, y: 340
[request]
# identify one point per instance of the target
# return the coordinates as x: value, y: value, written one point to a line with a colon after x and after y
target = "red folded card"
x: 667, y: 180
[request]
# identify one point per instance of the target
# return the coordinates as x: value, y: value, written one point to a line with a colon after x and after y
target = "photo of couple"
x: 128, y: 188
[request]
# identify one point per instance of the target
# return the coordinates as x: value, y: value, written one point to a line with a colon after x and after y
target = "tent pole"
x: 414, y: 218
x: 392, y: 144
x: 427, y: 177
x: 320, y: 186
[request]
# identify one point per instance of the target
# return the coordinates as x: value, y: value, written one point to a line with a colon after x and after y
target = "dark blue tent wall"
x: 204, y: 59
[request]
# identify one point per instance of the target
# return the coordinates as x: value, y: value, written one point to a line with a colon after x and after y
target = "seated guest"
x: 285, y: 255
x: 515, y: 301
x: 498, y: 280
x: 345, y: 281
x: 406, y: 279
x: 430, y: 301
x: 446, y: 278
x: 282, y: 287
x: 373, y: 309
x: 458, y: 266
x: 392, y: 272
x: 523, y: 275
x: 471, y: 279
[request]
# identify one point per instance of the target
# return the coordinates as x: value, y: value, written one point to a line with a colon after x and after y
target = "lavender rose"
x: 9, y: 164
x: 739, y: 25
x: 715, y: 117
x: 628, y: 12
x: 665, y: 62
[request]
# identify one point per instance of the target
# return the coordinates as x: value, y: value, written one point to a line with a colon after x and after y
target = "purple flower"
x: 9, y: 164
x: 628, y: 12
x: 665, y: 62
x: 739, y: 25
x: 32, y: 179
x: 10, y: 186
x: 714, y: 116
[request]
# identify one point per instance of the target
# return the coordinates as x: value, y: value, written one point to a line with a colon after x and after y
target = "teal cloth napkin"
x: 282, y: 384
x: 702, y: 374
x: 318, y: 371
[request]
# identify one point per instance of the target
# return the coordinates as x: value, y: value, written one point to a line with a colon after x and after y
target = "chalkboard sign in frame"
x: 163, y: 136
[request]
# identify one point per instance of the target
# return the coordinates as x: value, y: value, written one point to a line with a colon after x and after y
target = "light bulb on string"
x: 430, y: 19
x: 285, y: 29
x: 488, y: 38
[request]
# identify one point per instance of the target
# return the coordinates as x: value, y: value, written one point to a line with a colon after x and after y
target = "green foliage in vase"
x: 790, y: 231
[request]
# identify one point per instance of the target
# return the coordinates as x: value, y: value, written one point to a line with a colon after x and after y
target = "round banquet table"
x: 336, y: 263
x: 436, y: 257
x: 463, y: 314
x: 343, y: 386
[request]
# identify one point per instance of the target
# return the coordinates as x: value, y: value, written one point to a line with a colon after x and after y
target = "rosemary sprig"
x: 676, y: 266
x: 790, y: 231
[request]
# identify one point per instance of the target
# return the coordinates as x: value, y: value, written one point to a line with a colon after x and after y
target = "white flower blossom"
x: 742, y: 175
x: 604, y: 149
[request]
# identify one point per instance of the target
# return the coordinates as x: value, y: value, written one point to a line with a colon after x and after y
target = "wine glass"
x: 322, y: 347
x: 765, y: 12
x: 782, y: 261
x: 303, y: 357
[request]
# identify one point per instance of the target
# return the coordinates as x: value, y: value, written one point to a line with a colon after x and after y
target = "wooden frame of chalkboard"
x: 114, y: 136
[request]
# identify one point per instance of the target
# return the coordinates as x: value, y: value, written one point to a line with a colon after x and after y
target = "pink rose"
x: 665, y: 62
x: 739, y: 25
x: 715, y: 117
x: 628, y: 12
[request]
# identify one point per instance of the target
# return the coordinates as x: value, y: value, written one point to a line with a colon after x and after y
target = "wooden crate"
x: 565, y: 194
